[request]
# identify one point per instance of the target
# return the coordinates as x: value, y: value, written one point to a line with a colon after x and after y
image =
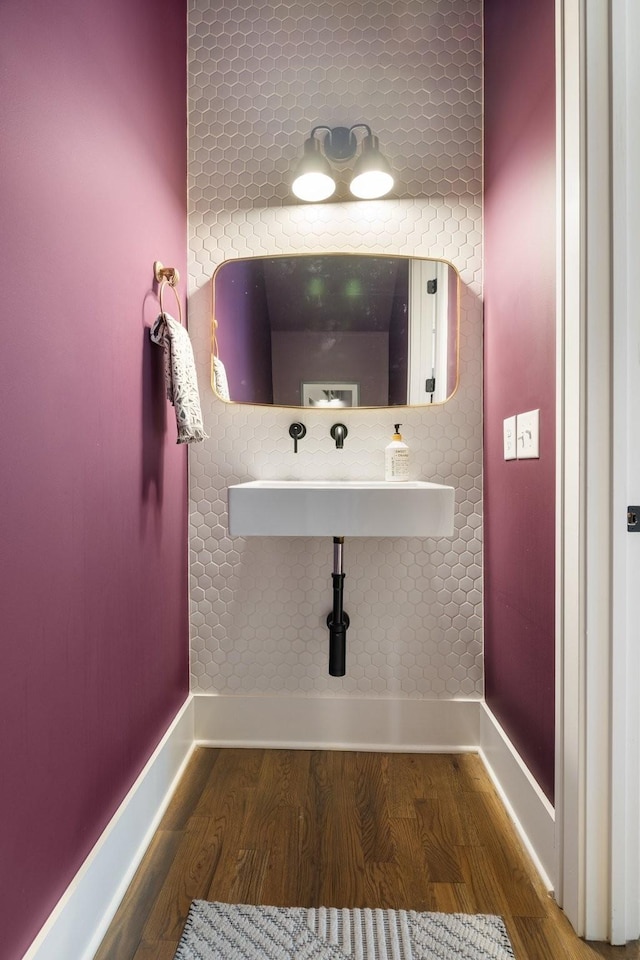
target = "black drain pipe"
x: 337, y: 620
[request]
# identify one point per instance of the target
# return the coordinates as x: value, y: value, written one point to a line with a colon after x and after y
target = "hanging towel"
x: 180, y: 377
x: 220, y: 384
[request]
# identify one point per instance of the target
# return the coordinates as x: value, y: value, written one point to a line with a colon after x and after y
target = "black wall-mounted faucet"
x: 297, y: 431
x: 339, y: 432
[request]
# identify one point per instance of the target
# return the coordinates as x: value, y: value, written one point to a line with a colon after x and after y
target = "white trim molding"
x: 337, y: 723
x: 583, y: 780
x: 397, y: 726
x: 597, y: 404
x: 526, y: 804
x: 80, y: 919
x: 569, y: 780
x: 625, y: 654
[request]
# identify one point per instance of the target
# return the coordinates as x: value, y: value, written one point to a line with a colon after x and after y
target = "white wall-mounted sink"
x: 340, y: 508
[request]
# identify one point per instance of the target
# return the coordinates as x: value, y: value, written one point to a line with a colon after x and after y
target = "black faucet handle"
x: 297, y: 431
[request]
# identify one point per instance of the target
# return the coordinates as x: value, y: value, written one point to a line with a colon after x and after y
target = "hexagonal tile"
x: 261, y: 76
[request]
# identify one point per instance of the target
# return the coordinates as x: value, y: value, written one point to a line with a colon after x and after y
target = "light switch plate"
x: 528, y: 435
x: 509, y: 433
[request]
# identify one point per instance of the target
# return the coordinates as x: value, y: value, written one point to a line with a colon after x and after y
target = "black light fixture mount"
x: 340, y: 143
x: 314, y: 181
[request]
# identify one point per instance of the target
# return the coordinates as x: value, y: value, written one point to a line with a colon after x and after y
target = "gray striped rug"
x: 222, y: 931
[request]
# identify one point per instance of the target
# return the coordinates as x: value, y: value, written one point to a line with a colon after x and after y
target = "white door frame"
x: 583, y: 615
x: 597, y: 763
x: 625, y: 663
x: 569, y: 787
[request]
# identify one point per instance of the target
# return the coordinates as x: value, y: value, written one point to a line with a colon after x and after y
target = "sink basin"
x: 340, y: 508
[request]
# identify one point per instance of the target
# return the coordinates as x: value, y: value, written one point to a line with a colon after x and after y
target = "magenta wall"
x: 93, y: 545
x: 519, y: 369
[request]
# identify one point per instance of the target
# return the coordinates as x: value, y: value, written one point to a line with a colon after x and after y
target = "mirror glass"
x: 336, y: 330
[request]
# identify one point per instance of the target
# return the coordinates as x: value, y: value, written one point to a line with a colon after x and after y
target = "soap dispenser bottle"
x: 396, y: 457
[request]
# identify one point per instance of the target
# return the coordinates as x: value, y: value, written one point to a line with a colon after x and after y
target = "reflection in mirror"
x: 337, y: 330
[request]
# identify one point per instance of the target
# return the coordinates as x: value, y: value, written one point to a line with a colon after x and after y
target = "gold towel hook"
x: 170, y: 274
x: 167, y: 276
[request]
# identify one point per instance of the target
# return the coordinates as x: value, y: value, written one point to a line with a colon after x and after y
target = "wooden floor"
x: 320, y: 828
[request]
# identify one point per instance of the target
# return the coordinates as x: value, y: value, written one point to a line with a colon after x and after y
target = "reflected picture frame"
x: 324, y: 394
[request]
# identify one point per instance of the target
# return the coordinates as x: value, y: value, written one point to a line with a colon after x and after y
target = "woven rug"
x: 222, y: 931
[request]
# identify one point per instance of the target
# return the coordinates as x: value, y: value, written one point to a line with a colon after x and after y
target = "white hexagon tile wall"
x: 261, y: 75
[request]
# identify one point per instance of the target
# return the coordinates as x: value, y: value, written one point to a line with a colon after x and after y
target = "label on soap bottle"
x: 396, y: 462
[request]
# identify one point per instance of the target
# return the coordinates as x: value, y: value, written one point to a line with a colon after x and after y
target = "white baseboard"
x: 526, y: 804
x: 332, y: 723
x: 83, y: 914
x: 401, y: 726
x: 80, y: 919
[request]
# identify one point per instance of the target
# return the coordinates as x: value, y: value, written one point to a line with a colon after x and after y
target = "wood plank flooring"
x: 324, y: 828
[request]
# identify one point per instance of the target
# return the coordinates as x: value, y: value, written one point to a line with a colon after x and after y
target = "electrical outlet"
x: 528, y: 435
x: 509, y: 434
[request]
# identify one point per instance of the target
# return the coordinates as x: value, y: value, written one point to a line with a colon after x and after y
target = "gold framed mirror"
x: 335, y: 330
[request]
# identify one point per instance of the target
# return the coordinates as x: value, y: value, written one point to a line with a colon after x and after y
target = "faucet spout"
x: 339, y: 432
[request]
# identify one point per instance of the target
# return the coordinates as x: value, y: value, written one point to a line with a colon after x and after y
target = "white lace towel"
x: 180, y: 377
x: 220, y: 384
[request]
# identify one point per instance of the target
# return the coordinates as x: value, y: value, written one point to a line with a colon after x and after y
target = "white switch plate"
x: 528, y: 435
x: 509, y: 433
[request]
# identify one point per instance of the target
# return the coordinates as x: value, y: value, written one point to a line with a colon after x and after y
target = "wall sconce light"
x: 314, y: 181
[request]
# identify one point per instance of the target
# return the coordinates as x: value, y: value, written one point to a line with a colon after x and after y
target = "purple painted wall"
x: 244, y: 331
x: 93, y: 545
x: 308, y: 357
x: 519, y: 369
